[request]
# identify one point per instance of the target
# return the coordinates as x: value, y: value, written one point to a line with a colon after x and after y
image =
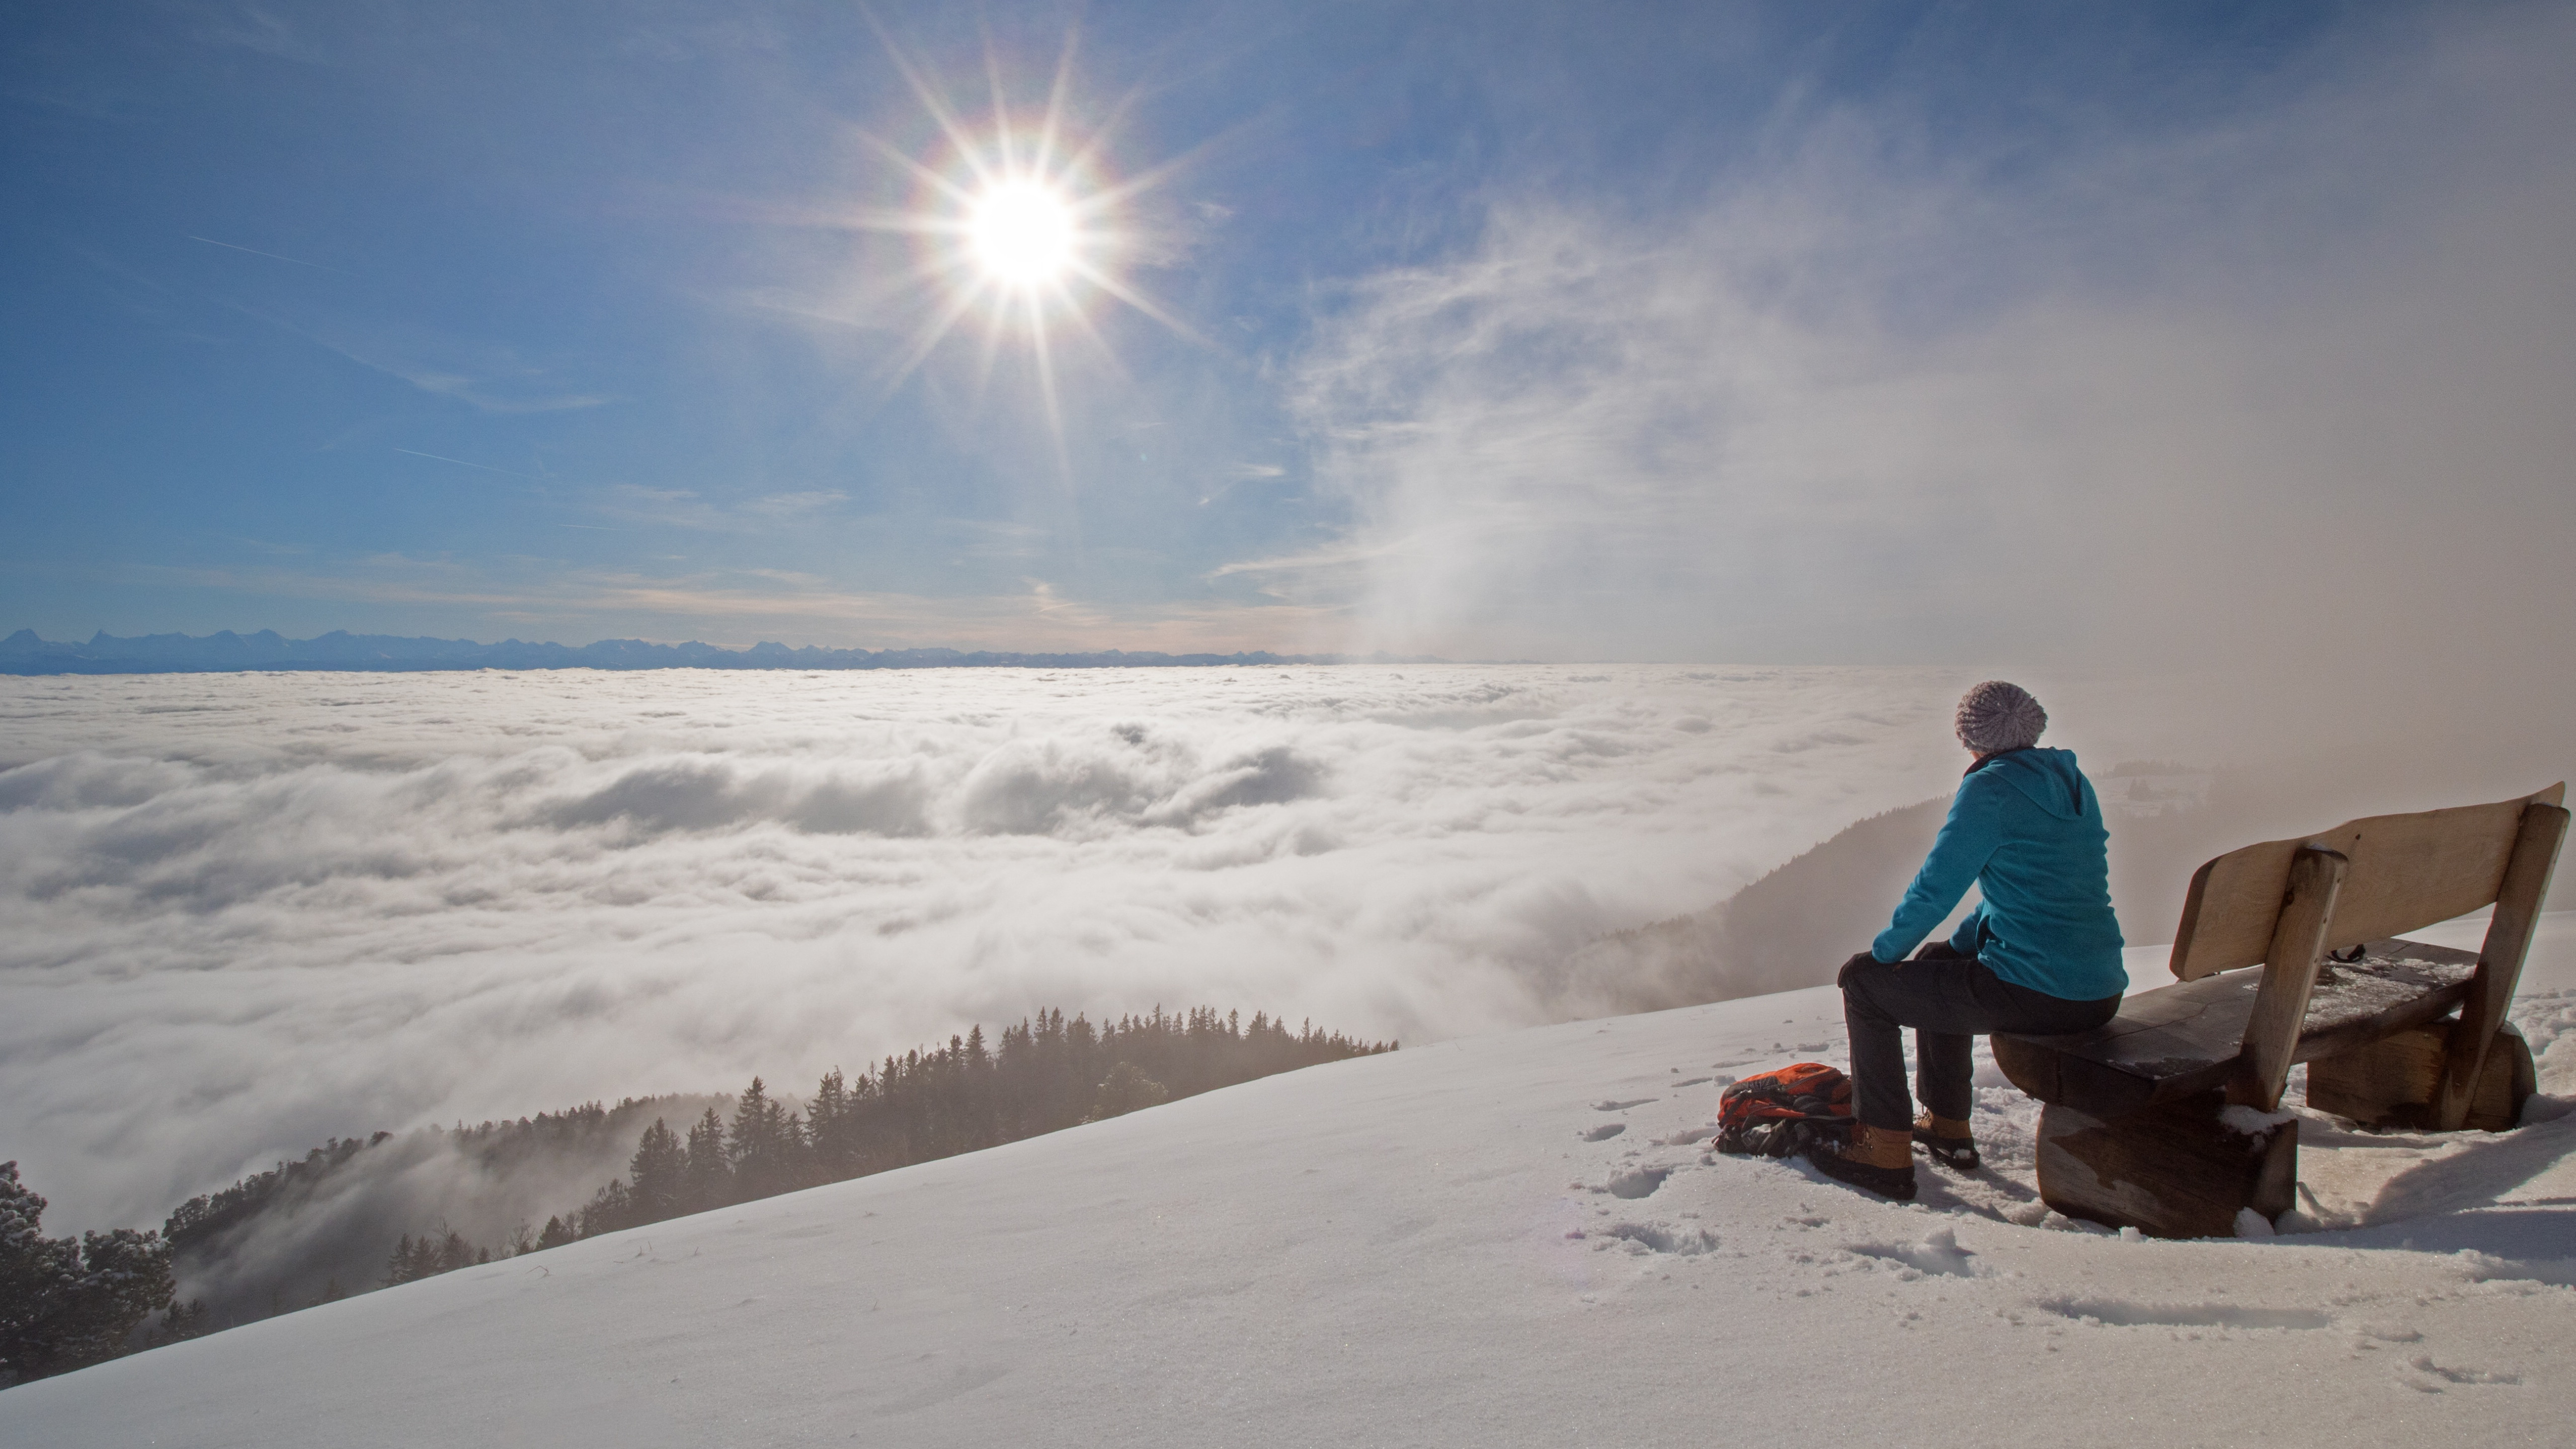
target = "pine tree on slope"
x: 831, y: 1130
x: 64, y: 1303
x: 658, y: 1173
x: 706, y: 1181
x: 766, y: 1146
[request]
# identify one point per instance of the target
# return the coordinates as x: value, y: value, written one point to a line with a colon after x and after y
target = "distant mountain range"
x: 105, y: 653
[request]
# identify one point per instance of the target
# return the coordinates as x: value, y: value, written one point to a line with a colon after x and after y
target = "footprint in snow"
x: 1939, y: 1253
x: 1602, y: 1133
x: 2126, y: 1313
x: 1643, y: 1238
x: 1621, y: 1106
x: 2424, y: 1376
x: 1694, y: 1081
x: 1638, y: 1182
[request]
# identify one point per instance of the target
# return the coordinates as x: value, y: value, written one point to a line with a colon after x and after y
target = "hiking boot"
x: 1946, y: 1141
x: 1861, y: 1160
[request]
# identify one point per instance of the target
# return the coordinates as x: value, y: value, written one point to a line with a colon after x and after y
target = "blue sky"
x: 1700, y: 331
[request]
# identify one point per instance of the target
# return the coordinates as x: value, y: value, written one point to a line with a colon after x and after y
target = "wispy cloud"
x: 272, y: 256
x: 1335, y: 561
x: 796, y: 505
x: 460, y: 462
x: 2110, y: 410
x: 505, y: 390
x: 256, y: 27
x: 688, y: 509
x: 1237, y: 474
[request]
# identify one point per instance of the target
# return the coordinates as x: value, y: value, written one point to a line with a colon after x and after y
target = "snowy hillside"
x: 1508, y: 1239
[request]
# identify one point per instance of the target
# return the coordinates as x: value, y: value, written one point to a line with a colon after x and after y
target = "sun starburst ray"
x: 921, y: 173
x: 1046, y: 388
x: 1001, y: 101
x: 1099, y: 340
x: 930, y: 334
x: 1110, y: 283
x: 1052, y: 124
x: 985, y: 358
x: 1022, y: 217
x: 1143, y: 181
x: 1095, y: 147
x: 959, y: 136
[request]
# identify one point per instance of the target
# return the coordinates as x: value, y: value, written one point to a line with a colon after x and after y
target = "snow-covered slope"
x: 1510, y: 1239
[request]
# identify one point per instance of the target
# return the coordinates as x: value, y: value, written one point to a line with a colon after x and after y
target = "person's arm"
x: 1969, y: 938
x: 1968, y: 839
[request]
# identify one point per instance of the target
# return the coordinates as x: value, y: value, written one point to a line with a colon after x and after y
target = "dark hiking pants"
x: 1949, y: 1000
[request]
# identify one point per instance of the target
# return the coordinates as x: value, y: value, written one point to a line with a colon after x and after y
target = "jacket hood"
x: 2048, y: 777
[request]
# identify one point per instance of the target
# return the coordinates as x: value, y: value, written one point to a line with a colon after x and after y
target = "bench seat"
x: 2184, y: 1041
x: 2166, y: 1119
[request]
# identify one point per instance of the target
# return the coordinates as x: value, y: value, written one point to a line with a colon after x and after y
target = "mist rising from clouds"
x: 2281, y: 403
x: 242, y: 914
x: 330, y: 1229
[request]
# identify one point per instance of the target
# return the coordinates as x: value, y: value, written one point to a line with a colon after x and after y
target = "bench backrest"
x: 2406, y: 872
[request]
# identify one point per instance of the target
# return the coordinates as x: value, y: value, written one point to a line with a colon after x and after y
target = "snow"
x: 1439, y: 1247
x: 2253, y: 1121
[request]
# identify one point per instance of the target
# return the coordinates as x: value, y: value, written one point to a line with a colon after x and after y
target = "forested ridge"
x: 1043, y: 1074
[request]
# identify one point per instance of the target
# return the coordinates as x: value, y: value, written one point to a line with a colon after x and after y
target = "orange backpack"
x: 1773, y: 1114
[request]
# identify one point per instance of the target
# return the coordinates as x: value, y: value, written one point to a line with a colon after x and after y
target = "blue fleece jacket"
x: 2027, y: 832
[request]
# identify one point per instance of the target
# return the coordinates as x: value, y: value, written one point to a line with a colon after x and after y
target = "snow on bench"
x: 2166, y: 1119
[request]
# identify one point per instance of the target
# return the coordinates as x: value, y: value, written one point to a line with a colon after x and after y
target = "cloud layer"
x: 246, y: 913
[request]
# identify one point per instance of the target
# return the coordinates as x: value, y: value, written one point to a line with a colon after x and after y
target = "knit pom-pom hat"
x: 1995, y: 717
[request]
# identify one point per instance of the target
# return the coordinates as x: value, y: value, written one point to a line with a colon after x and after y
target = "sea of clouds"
x: 243, y: 913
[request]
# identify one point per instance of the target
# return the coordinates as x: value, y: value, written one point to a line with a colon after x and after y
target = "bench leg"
x: 2170, y: 1172
x: 2517, y: 913
x: 2394, y: 1081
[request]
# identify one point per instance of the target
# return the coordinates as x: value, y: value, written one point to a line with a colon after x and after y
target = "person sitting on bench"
x: 2039, y: 955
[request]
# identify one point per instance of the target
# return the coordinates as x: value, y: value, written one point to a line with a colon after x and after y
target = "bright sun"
x: 1019, y: 221
x: 1022, y: 233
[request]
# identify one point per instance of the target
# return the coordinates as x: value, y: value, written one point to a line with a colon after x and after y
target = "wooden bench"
x: 2167, y: 1118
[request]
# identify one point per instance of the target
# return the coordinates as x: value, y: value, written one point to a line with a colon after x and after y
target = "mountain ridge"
x: 226, y: 652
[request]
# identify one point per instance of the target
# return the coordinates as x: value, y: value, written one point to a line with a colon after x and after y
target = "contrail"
x: 272, y: 256
x: 486, y: 467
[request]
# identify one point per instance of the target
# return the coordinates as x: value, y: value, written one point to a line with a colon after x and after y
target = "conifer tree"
x: 454, y: 1253
x: 64, y: 1302
x: 1124, y: 1090
x: 189, y: 1320
x: 613, y: 1208
x: 765, y: 1146
x: 407, y: 1263
x: 831, y: 1135
x: 657, y: 1174
x: 706, y: 1180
